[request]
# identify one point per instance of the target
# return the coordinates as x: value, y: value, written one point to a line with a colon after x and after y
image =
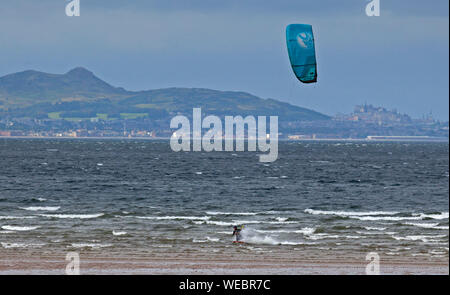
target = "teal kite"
x: 302, y: 53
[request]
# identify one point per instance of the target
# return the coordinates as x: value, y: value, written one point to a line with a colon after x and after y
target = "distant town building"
x: 5, y: 133
x: 299, y: 136
x: 377, y: 115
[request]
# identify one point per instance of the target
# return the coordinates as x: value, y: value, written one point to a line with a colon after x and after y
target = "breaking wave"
x: 73, y: 216
x: 19, y: 228
x: 33, y: 208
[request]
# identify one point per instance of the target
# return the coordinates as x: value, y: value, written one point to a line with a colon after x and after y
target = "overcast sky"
x: 397, y: 60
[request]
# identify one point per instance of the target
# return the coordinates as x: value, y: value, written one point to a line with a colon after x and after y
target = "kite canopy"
x: 302, y: 53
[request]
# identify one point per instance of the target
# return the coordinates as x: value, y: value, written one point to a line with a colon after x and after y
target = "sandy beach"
x: 18, y: 263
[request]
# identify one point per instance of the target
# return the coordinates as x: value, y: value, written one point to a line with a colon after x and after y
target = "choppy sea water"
x: 137, y: 196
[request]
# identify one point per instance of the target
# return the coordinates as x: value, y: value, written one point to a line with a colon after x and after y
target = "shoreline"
x: 179, y: 264
x: 431, y: 140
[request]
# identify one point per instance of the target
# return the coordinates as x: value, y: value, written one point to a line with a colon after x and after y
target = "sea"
x: 342, y: 198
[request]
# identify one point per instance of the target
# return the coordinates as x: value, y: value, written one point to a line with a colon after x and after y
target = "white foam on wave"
x: 420, y: 254
x: 428, y: 225
x: 119, y: 233
x: 375, y: 233
x: 203, y: 218
x: 219, y: 223
x: 375, y: 228
x: 254, y: 249
x: 305, y: 231
x: 21, y: 245
x: 349, y: 213
x: 437, y: 252
x: 16, y: 217
x: 224, y: 232
x: 247, y: 221
x: 290, y: 243
x: 35, y: 208
x: 268, y: 240
x: 439, y: 216
x: 281, y: 219
x: 352, y: 237
x: 199, y: 241
x: 19, y: 228
x: 252, y: 236
x: 270, y: 212
x: 281, y: 222
x: 90, y: 245
x: 236, y: 222
x: 384, y: 218
x: 162, y: 246
x: 207, y: 239
x: 230, y: 213
x: 423, y: 238
x: 73, y: 216
x: 321, y: 236
x: 379, y: 215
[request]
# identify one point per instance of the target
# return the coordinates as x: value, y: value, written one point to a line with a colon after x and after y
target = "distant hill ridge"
x: 44, y: 86
x: 80, y: 94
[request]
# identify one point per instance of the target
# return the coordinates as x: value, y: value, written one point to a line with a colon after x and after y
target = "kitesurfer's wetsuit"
x: 237, y: 233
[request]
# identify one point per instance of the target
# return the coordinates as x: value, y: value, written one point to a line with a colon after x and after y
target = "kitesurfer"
x: 237, y: 233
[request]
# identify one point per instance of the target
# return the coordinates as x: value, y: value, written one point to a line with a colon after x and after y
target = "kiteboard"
x: 238, y: 242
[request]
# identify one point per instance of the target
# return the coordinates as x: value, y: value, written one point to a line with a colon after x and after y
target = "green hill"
x: 80, y: 94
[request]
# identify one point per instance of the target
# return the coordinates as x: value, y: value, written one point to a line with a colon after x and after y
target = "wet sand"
x: 102, y: 263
